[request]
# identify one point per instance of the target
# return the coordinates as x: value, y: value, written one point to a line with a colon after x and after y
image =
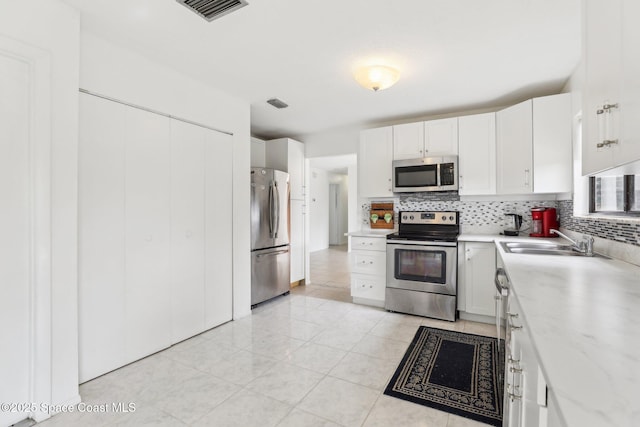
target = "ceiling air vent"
x: 278, y: 103
x: 213, y: 9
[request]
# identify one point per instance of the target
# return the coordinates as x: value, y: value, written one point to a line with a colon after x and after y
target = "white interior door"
x: 15, y: 232
x: 187, y: 229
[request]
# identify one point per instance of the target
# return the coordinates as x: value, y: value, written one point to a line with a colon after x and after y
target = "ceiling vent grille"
x: 213, y: 9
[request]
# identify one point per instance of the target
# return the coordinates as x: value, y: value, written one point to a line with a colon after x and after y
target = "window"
x: 618, y: 195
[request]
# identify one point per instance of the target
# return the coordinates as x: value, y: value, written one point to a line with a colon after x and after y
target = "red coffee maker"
x: 543, y: 220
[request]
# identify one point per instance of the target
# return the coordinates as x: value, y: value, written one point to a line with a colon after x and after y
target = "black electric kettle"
x: 517, y: 223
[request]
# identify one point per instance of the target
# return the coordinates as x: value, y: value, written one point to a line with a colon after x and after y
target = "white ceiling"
x: 454, y: 55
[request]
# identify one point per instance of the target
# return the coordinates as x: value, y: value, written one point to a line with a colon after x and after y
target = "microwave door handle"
x: 438, y: 177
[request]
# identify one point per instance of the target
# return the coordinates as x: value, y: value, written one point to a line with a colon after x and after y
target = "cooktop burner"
x: 439, y: 226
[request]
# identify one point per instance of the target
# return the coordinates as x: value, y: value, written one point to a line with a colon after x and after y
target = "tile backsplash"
x: 475, y: 217
x: 619, y: 230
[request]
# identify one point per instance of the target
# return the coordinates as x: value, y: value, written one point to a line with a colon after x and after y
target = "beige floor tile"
x: 319, y: 358
x: 298, y: 418
x: 340, y: 401
x: 286, y: 382
x: 456, y: 421
x: 389, y: 411
x: 364, y: 370
x: 247, y: 409
x: 484, y: 329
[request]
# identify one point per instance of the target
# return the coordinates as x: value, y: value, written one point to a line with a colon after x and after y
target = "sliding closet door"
x: 187, y: 229
x: 219, y: 219
x: 147, y: 233
x: 101, y: 214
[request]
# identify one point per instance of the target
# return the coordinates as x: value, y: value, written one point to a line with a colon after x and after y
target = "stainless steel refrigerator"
x: 270, y: 257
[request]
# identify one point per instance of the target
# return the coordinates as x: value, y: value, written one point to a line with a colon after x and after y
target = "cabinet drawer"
x: 369, y: 262
x: 369, y: 287
x: 369, y: 243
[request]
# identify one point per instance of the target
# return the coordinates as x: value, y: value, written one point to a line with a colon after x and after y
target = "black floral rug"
x: 453, y: 372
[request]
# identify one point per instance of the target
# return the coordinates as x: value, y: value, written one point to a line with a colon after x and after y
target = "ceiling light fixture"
x: 377, y: 77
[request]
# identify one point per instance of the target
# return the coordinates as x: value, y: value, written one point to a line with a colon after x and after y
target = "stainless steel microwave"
x: 425, y: 174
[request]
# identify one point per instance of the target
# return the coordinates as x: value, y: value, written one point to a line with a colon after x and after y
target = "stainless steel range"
x: 422, y: 262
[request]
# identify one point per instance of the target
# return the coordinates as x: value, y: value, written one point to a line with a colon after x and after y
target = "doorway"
x: 25, y: 227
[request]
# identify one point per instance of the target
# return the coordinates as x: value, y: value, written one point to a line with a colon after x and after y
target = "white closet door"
x: 218, y: 221
x: 15, y: 235
x: 101, y: 236
x: 187, y: 229
x: 147, y: 233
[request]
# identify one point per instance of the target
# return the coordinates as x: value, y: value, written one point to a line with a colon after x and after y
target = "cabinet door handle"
x: 606, y: 143
x: 514, y: 328
x: 526, y: 177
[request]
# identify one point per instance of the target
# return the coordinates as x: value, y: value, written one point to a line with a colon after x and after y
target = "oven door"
x: 422, y: 266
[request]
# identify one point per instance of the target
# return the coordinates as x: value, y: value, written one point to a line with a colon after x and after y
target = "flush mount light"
x: 377, y: 77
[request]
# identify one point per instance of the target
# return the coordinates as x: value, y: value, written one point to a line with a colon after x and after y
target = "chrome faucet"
x: 584, y: 247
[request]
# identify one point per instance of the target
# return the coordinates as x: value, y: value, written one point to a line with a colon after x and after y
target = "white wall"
x: 258, y: 153
x: 53, y: 26
x: 125, y: 75
x: 354, y: 206
x: 318, y: 211
x: 331, y: 143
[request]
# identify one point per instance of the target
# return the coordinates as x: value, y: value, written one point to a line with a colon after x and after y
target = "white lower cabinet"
x: 368, y: 270
x: 154, y: 233
x: 477, y: 266
x: 525, y: 384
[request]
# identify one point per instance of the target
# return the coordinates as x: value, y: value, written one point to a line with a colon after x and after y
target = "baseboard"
x: 480, y: 318
x: 367, y: 301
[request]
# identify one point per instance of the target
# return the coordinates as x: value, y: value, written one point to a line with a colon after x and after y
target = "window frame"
x: 628, y: 191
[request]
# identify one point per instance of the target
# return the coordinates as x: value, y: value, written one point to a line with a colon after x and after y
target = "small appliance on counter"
x: 543, y: 220
x: 517, y: 223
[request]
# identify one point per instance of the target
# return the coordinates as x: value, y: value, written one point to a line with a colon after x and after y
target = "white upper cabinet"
x: 425, y: 139
x: 552, y: 147
x: 477, y: 151
x: 611, y: 102
x: 408, y: 141
x: 441, y: 137
x: 514, y: 149
x: 374, y: 162
x: 287, y: 155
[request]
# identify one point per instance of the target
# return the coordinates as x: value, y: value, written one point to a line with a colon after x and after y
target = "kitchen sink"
x: 541, y: 248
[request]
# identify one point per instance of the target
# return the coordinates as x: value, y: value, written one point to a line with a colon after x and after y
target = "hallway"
x: 330, y: 276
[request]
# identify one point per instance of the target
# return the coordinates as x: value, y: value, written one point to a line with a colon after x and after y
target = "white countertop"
x: 583, y: 316
x: 376, y: 232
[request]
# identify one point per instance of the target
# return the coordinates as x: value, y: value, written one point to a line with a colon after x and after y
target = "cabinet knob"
x: 148, y: 238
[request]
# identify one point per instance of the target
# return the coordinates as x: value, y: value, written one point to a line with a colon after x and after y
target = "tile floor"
x: 298, y: 360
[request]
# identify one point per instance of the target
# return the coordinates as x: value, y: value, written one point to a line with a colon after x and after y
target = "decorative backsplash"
x: 475, y: 217
x: 489, y: 217
x: 610, y: 229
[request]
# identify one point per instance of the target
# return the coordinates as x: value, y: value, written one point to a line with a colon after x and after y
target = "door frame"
x: 38, y: 62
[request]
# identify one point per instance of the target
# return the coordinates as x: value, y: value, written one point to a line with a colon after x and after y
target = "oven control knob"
x: 444, y: 217
x: 451, y: 218
x: 411, y: 217
x: 404, y: 217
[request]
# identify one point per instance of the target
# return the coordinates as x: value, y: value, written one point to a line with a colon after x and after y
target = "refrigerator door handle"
x: 271, y: 194
x: 273, y: 253
x: 277, y: 220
